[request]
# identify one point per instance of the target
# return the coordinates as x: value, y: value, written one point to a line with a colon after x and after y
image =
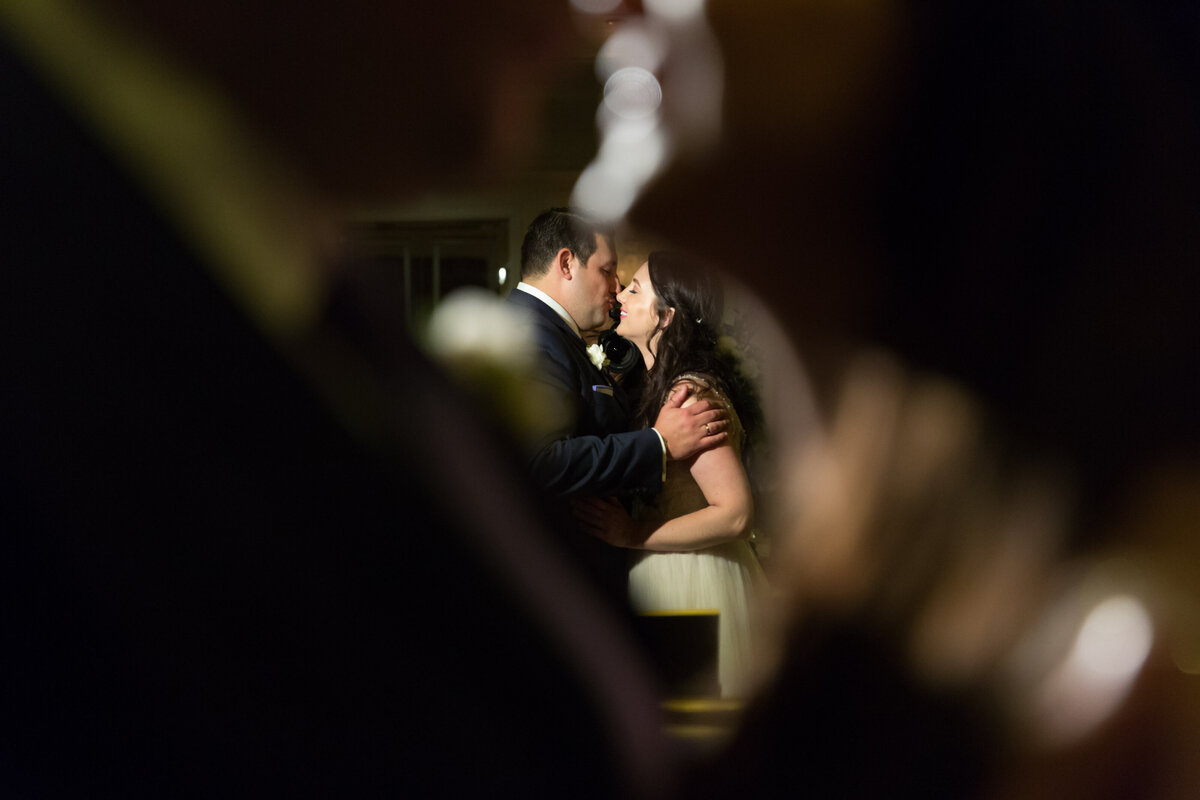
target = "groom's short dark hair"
x: 554, y: 229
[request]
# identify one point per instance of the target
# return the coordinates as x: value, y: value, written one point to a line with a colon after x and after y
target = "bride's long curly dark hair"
x: 689, y: 342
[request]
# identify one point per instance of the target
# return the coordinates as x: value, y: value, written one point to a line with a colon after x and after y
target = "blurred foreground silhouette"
x: 978, y: 227
x: 255, y: 543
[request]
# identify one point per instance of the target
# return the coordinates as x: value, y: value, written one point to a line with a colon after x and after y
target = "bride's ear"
x: 665, y: 318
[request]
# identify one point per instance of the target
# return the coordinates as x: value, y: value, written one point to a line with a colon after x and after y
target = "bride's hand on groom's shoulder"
x: 606, y: 519
x: 689, y: 429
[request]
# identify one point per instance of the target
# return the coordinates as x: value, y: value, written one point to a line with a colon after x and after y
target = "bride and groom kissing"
x: 657, y: 477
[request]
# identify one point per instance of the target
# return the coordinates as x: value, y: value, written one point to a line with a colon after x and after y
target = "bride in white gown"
x: 692, y: 539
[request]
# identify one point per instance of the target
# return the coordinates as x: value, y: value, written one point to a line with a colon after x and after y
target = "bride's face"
x: 639, y: 304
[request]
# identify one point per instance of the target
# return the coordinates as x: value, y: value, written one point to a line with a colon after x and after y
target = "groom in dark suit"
x: 587, y: 444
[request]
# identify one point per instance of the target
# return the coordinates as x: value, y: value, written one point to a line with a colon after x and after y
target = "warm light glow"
x: 502, y: 275
x: 595, y: 6
x: 632, y: 93
x: 633, y: 147
x: 604, y: 191
x: 1114, y: 640
x: 675, y: 10
x: 1106, y: 657
x: 629, y: 64
x: 631, y: 152
x: 631, y: 46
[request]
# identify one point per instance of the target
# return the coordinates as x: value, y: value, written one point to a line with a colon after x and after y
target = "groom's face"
x: 595, y: 286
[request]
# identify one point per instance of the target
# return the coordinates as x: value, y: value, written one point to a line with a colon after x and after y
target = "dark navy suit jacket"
x: 594, y: 452
x: 590, y: 449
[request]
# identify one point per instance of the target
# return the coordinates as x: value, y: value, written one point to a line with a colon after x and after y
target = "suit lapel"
x: 589, y: 375
x: 571, y: 340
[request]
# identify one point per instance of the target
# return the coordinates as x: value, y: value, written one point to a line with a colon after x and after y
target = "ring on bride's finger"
x: 707, y: 432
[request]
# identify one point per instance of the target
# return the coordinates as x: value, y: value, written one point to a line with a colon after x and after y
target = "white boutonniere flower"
x: 596, y: 354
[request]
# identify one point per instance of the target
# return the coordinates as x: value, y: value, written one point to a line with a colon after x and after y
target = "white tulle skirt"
x: 727, y: 578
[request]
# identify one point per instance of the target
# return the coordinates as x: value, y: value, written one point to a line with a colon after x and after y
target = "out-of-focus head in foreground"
x: 979, y: 230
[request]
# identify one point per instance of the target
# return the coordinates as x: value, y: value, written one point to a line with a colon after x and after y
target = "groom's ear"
x: 562, y: 262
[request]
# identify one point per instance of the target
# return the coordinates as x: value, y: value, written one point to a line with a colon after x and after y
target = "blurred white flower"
x: 489, y: 347
x: 475, y: 324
